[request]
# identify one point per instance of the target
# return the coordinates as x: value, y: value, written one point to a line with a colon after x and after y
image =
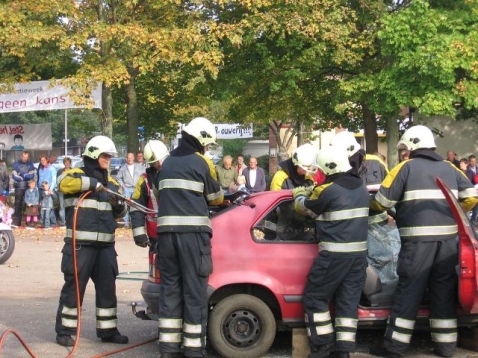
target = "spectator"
x: 23, y: 171
x: 451, y: 157
x: 226, y: 174
x: 47, y: 172
x: 471, y: 169
x: 4, y: 178
x: 241, y: 183
x: 140, y: 158
x: 127, y: 177
x: 464, y: 164
x: 61, y: 198
x: 255, y: 177
x: 32, y: 201
x: 47, y: 196
x: 240, y: 166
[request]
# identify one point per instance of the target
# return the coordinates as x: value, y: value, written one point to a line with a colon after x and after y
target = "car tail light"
x: 154, y: 274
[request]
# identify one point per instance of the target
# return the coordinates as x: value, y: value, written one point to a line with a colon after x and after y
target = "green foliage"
x: 232, y: 147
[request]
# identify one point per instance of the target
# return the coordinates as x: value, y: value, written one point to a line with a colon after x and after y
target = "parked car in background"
x: 115, y: 165
x: 58, y: 164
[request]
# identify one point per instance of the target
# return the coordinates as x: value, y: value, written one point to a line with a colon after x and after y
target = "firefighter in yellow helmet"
x: 186, y: 185
x: 297, y: 170
x: 340, y: 209
x: 143, y: 225
x: 429, y: 252
x: 95, y: 243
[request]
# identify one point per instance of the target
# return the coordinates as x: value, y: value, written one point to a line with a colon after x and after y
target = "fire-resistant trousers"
x: 343, y: 277
x: 184, y: 260
x: 99, y: 263
x: 421, y: 265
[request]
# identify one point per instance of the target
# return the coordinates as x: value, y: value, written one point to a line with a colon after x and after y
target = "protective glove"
x: 116, y: 203
x: 99, y: 187
x: 141, y: 240
x: 300, y: 191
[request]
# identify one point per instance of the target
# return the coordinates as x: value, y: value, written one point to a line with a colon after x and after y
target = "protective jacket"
x: 288, y: 178
x: 373, y: 170
x: 341, y: 220
x: 143, y: 195
x: 413, y: 181
x: 95, y: 219
x: 187, y: 184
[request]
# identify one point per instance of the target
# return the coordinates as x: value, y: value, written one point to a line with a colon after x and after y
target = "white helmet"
x: 154, y: 151
x: 346, y: 140
x: 417, y: 137
x: 202, y: 129
x: 100, y: 144
x: 305, y: 157
x: 332, y: 160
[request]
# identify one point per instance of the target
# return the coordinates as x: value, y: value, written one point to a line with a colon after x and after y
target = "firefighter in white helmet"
x: 144, y: 225
x: 187, y: 184
x: 429, y: 253
x: 340, y: 209
x: 297, y: 170
x: 95, y: 243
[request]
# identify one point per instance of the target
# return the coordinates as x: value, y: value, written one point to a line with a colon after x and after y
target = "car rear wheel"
x: 7, y: 244
x: 241, y: 326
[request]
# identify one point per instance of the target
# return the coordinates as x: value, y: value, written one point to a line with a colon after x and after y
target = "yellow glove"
x: 300, y: 191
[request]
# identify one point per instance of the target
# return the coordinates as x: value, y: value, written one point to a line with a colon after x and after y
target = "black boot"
x: 321, y: 351
x: 65, y: 341
x: 117, y: 338
x: 171, y: 355
x: 380, y: 351
x: 337, y: 354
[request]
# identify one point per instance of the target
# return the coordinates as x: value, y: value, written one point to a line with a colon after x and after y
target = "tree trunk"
x: 132, y: 116
x: 370, y: 129
x: 392, y: 140
x: 107, y: 118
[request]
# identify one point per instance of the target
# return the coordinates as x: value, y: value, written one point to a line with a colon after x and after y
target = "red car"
x: 262, y: 252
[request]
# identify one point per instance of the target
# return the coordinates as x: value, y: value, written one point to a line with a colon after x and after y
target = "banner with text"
x: 41, y: 96
x: 231, y: 131
x: 25, y: 136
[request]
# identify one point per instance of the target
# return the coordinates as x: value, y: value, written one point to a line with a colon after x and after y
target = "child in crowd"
x: 6, y: 213
x: 32, y: 201
x: 241, y: 183
x: 47, y: 197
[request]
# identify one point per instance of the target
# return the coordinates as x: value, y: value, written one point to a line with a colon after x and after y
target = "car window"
x: 283, y: 223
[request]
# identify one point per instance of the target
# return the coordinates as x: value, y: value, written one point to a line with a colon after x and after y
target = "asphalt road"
x: 30, y: 285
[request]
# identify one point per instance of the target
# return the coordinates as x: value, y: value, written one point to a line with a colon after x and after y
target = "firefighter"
x: 340, y: 209
x: 369, y: 167
x: 155, y: 152
x: 95, y: 243
x: 429, y: 253
x: 187, y: 184
x: 296, y: 171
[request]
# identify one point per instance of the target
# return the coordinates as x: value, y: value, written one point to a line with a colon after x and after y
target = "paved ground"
x: 29, y: 290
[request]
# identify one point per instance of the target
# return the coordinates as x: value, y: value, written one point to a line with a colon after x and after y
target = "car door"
x: 468, y: 252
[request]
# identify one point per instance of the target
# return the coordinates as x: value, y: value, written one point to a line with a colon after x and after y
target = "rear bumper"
x: 150, y: 293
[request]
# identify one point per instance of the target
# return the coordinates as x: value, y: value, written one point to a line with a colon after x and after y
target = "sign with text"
x: 231, y: 131
x: 41, y: 96
x: 25, y: 136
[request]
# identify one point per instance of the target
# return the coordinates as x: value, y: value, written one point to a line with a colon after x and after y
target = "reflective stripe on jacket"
x: 186, y: 186
x: 96, y: 221
x: 342, y: 215
x: 422, y: 212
